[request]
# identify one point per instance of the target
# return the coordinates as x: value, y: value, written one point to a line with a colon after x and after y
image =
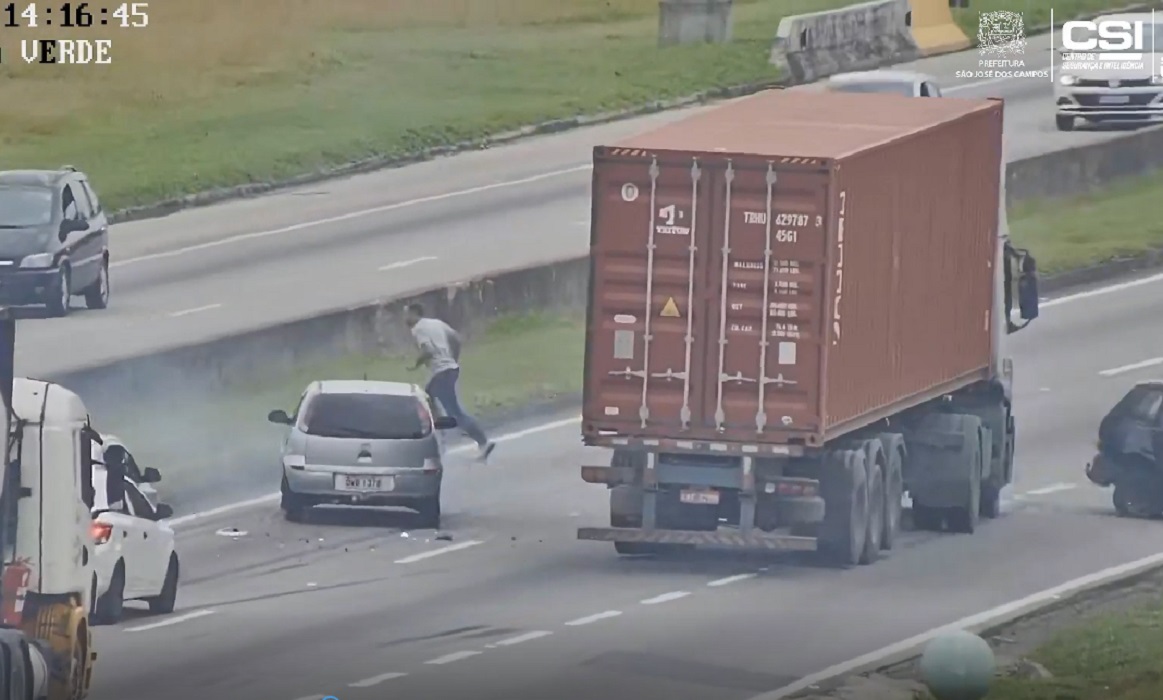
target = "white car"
x: 134, y: 556
x: 900, y: 82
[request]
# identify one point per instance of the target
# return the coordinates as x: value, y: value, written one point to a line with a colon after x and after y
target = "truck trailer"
x: 798, y: 310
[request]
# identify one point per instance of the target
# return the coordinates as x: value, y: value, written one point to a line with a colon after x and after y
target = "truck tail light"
x: 797, y: 489
x: 101, y: 532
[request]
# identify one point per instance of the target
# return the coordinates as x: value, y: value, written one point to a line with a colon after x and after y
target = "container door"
x: 651, y: 221
x: 764, y: 352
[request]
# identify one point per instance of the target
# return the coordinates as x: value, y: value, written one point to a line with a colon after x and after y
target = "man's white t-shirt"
x: 435, y: 337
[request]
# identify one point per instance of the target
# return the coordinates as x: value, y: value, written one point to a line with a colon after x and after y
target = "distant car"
x: 898, y: 82
x: 364, y: 443
x: 54, y: 240
x: 1130, y: 451
x: 1111, y: 94
x: 134, y: 556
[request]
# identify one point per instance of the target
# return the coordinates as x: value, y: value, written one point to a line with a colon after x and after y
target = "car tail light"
x: 101, y: 532
x: 431, y: 465
x: 424, y: 413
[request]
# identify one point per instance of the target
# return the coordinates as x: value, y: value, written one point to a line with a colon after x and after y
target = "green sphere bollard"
x: 958, y: 666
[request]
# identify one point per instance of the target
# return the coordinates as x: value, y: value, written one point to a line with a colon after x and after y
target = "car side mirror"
x: 164, y: 511
x: 72, y: 226
x: 279, y: 416
x: 445, y: 422
x: 151, y: 476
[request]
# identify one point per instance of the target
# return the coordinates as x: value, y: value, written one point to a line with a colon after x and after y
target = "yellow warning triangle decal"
x: 670, y: 309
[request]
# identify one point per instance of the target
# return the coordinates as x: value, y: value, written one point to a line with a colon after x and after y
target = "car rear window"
x: 366, y: 416
x: 25, y: 206
x: 905, y: 89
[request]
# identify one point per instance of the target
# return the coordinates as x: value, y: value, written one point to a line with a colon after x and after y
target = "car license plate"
x: 351, y: 482
x: 700, y: 497
x: 1114, y: 99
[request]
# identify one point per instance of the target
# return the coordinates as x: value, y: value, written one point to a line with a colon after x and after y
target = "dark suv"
x: 54, y: 240
x: 1130, y: 451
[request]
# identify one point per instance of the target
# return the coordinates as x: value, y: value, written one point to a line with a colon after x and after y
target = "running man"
x: 439, y: 346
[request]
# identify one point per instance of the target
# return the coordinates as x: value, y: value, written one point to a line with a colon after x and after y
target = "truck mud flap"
x: 720, y: 538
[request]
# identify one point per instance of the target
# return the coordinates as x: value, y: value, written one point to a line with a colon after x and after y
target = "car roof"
x: 35, y: 178
x: 881, y: 76
x: 1153, y: 383
x: 368, y: 386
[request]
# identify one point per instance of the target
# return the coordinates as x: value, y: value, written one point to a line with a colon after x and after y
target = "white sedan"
x: 905, y: 83
x: 134, y: 556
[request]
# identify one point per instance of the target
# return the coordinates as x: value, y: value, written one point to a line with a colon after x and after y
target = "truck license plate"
x: 699, y: 497
x: 1114, y: 99
x: 349, y: 482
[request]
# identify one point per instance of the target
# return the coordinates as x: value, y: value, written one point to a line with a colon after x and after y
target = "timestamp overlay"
x: 65, y: 33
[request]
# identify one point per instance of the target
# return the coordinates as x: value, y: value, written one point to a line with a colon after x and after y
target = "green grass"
x: 1070, y: 233
x: 214, y: 93
x: 1117, y: 657
x: 1034, y: 12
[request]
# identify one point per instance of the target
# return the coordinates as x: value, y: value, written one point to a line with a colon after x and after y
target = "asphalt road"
x: 224, y: 269
x: 512, y: 606
x: 358, y: 605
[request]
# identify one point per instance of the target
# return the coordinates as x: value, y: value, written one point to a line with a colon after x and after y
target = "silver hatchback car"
x: 364, y: 443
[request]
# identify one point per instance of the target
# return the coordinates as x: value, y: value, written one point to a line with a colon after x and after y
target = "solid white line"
x: 665, y: 597
x: 1153, y: 362
x: 1052, y: 488
x: 359, y: 213
x: 315, y: 697
x: 171, y: 621
x: 271, y: 497
x: 1100, y: 291
x: 730, y: 579
x: 407, y: 263
x: 437, y: 552
x: 981, y: 619
x: 449, y: 658
x: 376, y: 680
x: 589, y: 619
x: 196, y: 309
x: 521, y: 638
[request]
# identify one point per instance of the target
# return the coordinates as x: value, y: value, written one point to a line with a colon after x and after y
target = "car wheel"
x: 62, y: 293
x: 97, y: 295
x: 165, y: 601
x: 294, y: 506
x: 111, y: 605
x: 1064, y: 122
x: 429, y: 510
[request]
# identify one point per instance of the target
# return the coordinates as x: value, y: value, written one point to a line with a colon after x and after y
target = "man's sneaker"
x: 485, y: 451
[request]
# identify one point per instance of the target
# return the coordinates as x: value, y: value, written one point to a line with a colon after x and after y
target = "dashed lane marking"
x: 454, y: 656
x: 376, y: 680
x: 590, y: 619
x: 665, y: 597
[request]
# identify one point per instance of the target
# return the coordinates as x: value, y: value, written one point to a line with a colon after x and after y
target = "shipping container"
x: 790, y: 267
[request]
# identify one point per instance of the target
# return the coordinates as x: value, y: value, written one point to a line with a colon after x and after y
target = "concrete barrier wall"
x: 860, y: 37
x: 934, y: 30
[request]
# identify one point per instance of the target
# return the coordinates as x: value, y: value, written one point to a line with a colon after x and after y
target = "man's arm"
x: 423, y: 359
x: 453, y: 342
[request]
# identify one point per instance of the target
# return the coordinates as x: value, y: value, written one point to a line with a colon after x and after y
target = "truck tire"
x: 991, y: 488
x: 964, y: 518
x: 844, y: 486
x: 894, y: 486
x: 874, y: 530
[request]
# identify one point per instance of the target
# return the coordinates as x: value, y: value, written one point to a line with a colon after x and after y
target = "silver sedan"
x: 899, y: 82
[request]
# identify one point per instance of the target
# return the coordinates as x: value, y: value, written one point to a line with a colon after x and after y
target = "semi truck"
x: 798, y: 310
x: 46, y: 547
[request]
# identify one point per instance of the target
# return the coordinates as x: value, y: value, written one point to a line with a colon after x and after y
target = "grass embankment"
x: 217, y: 93
x: 1070, y: 233
x: 1112, y: 657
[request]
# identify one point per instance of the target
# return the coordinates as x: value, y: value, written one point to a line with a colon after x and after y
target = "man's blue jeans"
x: 442, y: 387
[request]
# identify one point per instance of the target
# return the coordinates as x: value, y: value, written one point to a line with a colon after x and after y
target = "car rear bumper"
x: 1137, y: 103
x: 20, y: 287
x: 408, y: 485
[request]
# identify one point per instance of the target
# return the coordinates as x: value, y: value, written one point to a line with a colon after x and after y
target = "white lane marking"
x: 1114, y: 371
x: 407, y: 263
x: 985, y: 618
x: 376, y: 680
x: 195, y: 310
x: 522, y: 638
x: 454, y: 656
x: 270, y: 497
x: 1052, y: 488
x: 590, y: 619
x: 1100, y: 291
x: 357, y: 214
x: 315, y: 697
x: 437, y: 552
x: 665, y: 597
x: 171, y: 621
x: 730, y: 579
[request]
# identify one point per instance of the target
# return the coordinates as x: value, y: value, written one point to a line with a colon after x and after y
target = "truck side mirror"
x: 151, y: 476
x: 1028, y: 289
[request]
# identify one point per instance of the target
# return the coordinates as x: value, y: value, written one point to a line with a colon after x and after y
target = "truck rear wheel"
x: 893, y: 492
x: 844, y: 486
x: 964, y: 518
x: 874, y: 530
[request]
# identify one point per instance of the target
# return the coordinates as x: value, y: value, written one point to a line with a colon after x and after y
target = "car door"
x: 90, y: 249
x: 126, y: 538
x: 154, y: 543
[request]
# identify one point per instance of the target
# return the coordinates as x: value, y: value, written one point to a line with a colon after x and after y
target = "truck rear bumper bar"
x: 735, y: 539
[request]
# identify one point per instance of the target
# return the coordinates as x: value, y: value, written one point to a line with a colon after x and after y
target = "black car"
x: 1130, y: 451
x: 54, y: 240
